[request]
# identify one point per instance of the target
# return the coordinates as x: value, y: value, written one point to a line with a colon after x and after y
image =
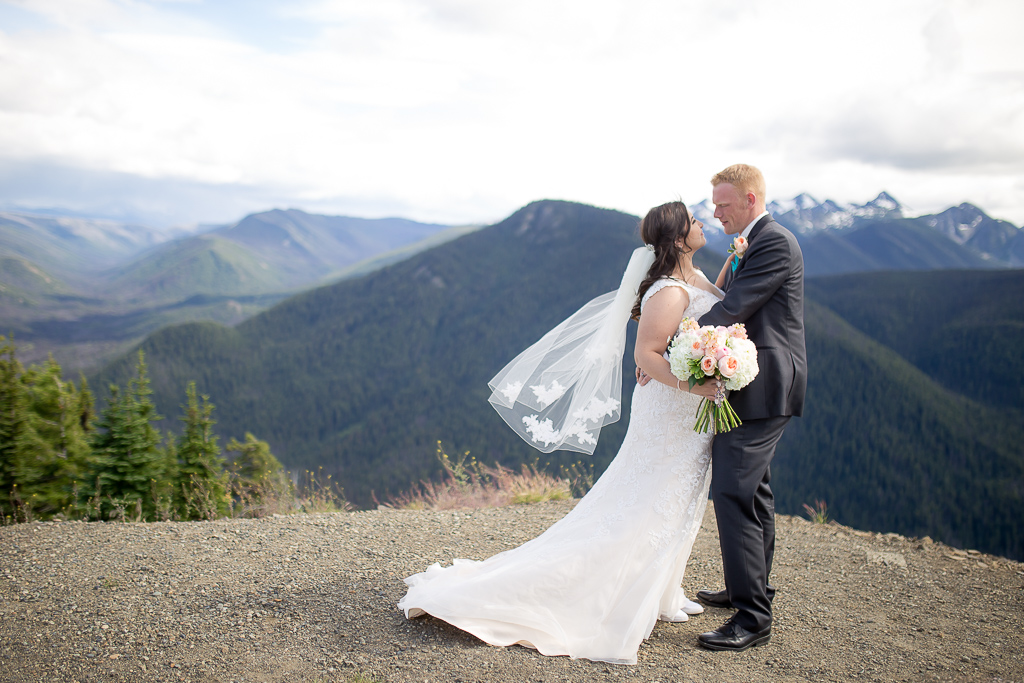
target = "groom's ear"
x: 751, y: 199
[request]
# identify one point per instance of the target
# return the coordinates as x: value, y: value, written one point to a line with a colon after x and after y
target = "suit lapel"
x: 754, y: 231
x: 758, y: 227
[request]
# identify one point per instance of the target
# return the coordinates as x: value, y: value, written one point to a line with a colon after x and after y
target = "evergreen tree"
x: 164, y: 491
x: 254, y: 462
x: 260, y: 483
x: 201, y: 476
x: 86, y: 409
x: 126, y: 457
x: 56, y: 448
x: 14, y: 428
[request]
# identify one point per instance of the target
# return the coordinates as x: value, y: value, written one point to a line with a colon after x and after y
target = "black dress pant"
x: 745, y: 509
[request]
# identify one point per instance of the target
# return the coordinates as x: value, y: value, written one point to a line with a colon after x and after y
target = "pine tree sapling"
x: 259, y: 483
x: 254, y: 461
x: 13, y: 423
x: 201, y: 475
x: 126, y: 456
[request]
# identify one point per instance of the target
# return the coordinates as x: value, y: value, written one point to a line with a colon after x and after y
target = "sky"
x: 174, y: 112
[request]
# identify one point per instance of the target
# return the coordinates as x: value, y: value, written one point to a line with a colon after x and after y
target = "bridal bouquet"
x: 723, y: 353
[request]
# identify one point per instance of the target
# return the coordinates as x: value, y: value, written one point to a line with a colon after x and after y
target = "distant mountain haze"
x: 363, y: 377
x: 120, y: 281
x: 75, y: 248
x: 19, y: 277
x: 277, y: 250
x: 115, y: 260
x: 204, y: 264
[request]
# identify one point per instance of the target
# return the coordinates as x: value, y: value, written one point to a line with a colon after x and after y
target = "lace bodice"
x: 701, y: 300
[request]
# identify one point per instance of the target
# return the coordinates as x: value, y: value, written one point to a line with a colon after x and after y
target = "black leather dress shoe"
x: 715, y: 598
x: 731, y: 636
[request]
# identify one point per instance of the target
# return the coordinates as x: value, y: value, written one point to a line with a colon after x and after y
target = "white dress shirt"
x: 746, y: 231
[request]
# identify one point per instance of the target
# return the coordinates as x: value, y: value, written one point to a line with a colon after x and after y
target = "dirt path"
x: 312, y: 598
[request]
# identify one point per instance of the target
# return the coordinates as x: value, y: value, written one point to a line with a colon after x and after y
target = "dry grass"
x: 279, y: 495
x: 468, y: 484
x: 817, y: 514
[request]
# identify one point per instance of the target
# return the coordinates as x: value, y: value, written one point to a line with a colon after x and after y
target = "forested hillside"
x: 403, y: 354
x: 890, y: 449
x: 945, y: 323
x: 364, y: 377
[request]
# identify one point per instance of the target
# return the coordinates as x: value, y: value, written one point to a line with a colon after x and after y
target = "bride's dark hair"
x: 661, y: 228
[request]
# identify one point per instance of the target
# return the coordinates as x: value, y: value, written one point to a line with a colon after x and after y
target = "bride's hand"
x: 708, y: 389
x: 720, y: 281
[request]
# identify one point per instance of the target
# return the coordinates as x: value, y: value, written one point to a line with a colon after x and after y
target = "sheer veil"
x: 560, y: 392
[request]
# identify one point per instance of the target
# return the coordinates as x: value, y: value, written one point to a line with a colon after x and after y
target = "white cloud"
x: 460, y: 110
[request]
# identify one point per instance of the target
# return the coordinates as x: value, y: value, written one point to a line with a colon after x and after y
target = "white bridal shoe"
x: 689, y: 607
x: 681, y: 615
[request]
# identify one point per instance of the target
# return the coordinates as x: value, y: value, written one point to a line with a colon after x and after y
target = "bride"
x: 595, y: 583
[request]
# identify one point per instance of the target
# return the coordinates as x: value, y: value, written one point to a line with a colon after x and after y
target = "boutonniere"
x: 738, y: 249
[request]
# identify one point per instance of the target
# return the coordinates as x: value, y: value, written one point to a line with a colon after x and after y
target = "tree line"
x: 61, y: 458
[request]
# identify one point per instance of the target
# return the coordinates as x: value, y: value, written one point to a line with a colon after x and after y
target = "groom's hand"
x: 642, y: 378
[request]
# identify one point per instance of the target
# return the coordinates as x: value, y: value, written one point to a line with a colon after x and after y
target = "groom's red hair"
x: 744, y: 178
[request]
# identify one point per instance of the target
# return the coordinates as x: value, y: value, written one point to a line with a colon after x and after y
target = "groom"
x: 764, y: 290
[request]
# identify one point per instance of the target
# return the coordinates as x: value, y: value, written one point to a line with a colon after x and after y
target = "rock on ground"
x: 312, y: 598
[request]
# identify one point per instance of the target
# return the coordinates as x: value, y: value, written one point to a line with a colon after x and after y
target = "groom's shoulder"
x: 777, y: 228
x: 781, y: 238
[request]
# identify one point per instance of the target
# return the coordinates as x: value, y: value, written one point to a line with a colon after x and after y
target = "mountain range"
x: 83, y: 290
x: 86, y: 290
x: 289, y: 250
x: 907, y: 428
x: 274, y: 251
x: 848, y: 238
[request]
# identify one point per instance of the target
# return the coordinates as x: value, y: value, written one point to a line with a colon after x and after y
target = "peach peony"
x: 728, y: 366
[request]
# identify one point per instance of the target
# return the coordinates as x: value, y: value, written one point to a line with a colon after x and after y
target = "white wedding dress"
x: 594, y: 584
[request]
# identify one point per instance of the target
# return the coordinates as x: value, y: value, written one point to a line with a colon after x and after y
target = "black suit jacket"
x: 766, y: 293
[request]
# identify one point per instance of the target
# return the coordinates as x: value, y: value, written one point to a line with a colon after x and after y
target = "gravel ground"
x: 312, y: 598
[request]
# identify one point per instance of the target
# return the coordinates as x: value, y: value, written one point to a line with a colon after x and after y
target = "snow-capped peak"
x: 704, y: 211
x: 803, y: 213
x: 884, y: 200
